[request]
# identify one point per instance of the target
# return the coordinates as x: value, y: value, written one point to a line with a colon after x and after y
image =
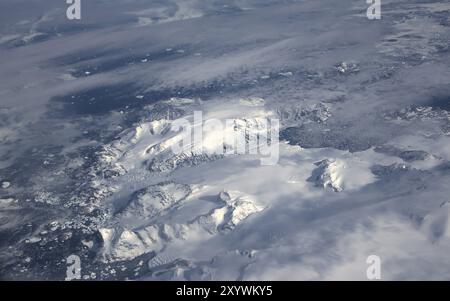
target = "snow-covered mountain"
x: 88, y: 160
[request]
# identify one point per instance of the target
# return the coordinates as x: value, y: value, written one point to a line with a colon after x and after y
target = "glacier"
x: 86, y: 160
